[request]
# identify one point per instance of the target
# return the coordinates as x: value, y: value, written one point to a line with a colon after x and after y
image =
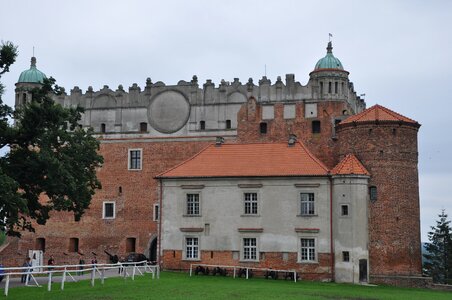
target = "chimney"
x: 219, y: 141
x: 292, y: 140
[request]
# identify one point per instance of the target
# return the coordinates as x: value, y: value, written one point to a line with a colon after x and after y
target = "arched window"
x: 202, y: 125
x: 263, y: 128
x: 316, y: 126
x: 102, y: 128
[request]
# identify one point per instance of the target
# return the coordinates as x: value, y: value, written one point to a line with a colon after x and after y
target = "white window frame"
x: 195, y: 247
x: 129, y: 163
x: 156, y: 215
x: 308, y: 248
x: 314, y: 211
x: 250, y: 247
x: 186, y: 207
x: 104, y: 210
x: 252, y: 201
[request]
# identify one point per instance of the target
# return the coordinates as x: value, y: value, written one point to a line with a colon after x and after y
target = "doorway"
x: 363, y: 270
x: 153, y: 250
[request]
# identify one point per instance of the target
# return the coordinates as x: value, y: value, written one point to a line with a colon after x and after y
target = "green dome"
x: 329, y: 61
x: 32, y: 75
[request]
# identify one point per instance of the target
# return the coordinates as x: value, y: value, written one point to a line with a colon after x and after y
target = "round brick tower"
x: 386, y: 143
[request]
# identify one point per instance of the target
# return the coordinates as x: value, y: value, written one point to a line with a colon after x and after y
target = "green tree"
x: 438, y: 262
x: 52, y: 162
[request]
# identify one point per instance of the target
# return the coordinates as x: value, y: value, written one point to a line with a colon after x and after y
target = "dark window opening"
x: 24, y: 98
x: 345, y: 256
x: 156, y: 212
x: 73, y: 245
x: 102, y: 128
x: 40, y: 244
x: 120, y: 190
x: 263, y: 128
x: 344, y: 210
x: 130, y: 244
x: 315, y: 126
x: 335, y: 87
x: 202, y: 125
x: 321, y: 88
x: 228, y: 124
x: 342, y: 87
x: 143, y: 127
x: 329, y: 87
x: 373, y: 193
x: 109, y: 210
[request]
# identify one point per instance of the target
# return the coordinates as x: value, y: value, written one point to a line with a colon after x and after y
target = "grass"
x: 181, y: 286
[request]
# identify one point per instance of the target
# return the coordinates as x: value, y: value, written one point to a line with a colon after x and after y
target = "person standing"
x: 50, y: 262
x: 81, y: 262
x: 27, y: 265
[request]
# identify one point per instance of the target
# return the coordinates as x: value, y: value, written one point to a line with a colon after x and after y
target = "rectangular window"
x: 316, y: 127
x: 228, y: 124
x: 143, y: 127
x: 250, y: 203
x: 135, y: 159
x: 108, y: 211
x: 193, y: 204
x: 41, y: 244
x: 156, y: 212
x: 344, y: 210
x: 191, y: 248
x: 263, y: 128
x: 373, y: 193
x: 345, y: 256
x: 307, y: 249
x: 73, y: 245
x: 130, y: 244
x: 307, y: 204
x: 249, y: 249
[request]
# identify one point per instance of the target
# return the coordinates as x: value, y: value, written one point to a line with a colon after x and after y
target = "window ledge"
x: 248, y: 261
x: 135, y: 170
x: 190, y: 216
x: 191, y: 259
x: 315, y: 215
x: 309, y: 262
x: 249, y: 215
x: 108, y: 218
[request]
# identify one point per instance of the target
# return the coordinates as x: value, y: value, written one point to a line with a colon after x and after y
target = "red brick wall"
x: 389, y: 152
x: 172, y: 260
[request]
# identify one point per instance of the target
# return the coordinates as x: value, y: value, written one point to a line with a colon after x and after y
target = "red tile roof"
x: 249, y: 160
x: 350, y: 165
x: 377, y: 113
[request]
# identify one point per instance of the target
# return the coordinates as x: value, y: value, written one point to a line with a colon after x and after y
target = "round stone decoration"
x: 168, y: 111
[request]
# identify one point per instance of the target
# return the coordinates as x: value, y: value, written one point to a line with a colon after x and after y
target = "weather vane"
x: 329, y: 37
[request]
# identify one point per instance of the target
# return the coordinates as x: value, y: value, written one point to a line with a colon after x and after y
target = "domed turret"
x: 32, y: 75
x: 329, y: 61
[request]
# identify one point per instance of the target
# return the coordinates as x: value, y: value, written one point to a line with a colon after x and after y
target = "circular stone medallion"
x: 168, y: 112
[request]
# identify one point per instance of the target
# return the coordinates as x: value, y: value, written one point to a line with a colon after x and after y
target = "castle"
x: 279, y: 175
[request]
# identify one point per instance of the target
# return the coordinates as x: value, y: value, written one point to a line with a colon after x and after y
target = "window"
x: 316, y: 126
x: 108, y: 211
x: 345, y: 256
x: 73, y: 245
x: 202, y: 125
x: 250, y: 203
x: 263, y: 128
x: 41, y: 244
x: 249, y: 249
x: 321, y: 88
x: 24, y: 98
x: 228, y: 124
x: 307, y: 249
x: 191, y: 248
x: 134, y: 159
x: 373, y: 193
x: 156, y: 212
x: 130, y: 244
x: 102, y: 128
x: 344, y: 210
x: 329, y: 87
x: 335, y: 87
x: 143, y: 127
x: 307, y: 204
x: 193, y: 204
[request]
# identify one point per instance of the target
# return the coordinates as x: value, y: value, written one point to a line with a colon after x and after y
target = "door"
x: 363, y: 270
x: 153, y: 250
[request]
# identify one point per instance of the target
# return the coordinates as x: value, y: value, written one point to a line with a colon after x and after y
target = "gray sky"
x: 397, y: 52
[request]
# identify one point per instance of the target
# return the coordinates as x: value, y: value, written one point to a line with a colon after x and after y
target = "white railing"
x: 126, y: 269
x: 234, y: 268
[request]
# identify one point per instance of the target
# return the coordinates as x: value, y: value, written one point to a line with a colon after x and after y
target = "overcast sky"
x: 398, y: 53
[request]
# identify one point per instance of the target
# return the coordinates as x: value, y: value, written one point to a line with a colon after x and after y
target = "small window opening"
x: 120, y: 190
x: 394, y: 131
x: 143, y: 127
x: 41, y: 244
x: 344, y: 210
x: 211, y: 254
x: 373, y: 193
x: 156, y: 212
x: 316, y: 126
x: 202, y: 125
x: 336, y: 84
x: 102, y: 128
x: 345, y: 256
x: 321, y: 88
x: 342, y: 87
x: 263, y: 128
x: 73, y: 245
x: 329, y: 87
x: 130, y: 244
x: 228, y: 124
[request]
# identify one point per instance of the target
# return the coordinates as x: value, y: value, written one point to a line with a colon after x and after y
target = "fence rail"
x: 126, y: 269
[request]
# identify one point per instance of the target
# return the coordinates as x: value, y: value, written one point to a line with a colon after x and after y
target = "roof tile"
x: 350, y: 165
x: 377, y: 113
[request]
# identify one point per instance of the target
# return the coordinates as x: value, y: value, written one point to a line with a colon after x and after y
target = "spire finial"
x: 33, y: 62
x: 329, y: 49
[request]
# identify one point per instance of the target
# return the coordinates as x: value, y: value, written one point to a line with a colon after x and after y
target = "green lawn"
x: 181, y: 286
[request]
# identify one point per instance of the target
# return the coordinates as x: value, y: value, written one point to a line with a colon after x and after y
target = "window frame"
x: 104, y: 210
x: 373, y: 193
x: 129, y: 159
x: 196, y: 247
x: 156, y: 213
x: 252, y: 201
x: 300, y: 250
x: 252, y: 249
x: 301, y: 201
x: 346, y: 256
x: 187, y: 212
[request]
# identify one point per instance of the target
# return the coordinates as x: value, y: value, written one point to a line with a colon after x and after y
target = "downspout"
x: 331, y: 228
x: 159, y: 238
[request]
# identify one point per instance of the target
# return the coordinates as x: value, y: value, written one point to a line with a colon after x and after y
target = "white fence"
x: 247, y: 269
x: 126, y: 269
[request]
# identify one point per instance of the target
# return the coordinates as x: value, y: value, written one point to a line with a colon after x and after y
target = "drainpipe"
x: 159, y: 237
x: 331, y: 228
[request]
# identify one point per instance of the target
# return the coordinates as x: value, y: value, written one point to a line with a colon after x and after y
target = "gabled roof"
x: 350, y: 165
x: 249, y: 160
x: 378, y: 113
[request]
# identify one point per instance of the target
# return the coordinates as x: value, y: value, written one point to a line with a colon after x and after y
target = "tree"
x: 52, y: 162
x: 439, y: 251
